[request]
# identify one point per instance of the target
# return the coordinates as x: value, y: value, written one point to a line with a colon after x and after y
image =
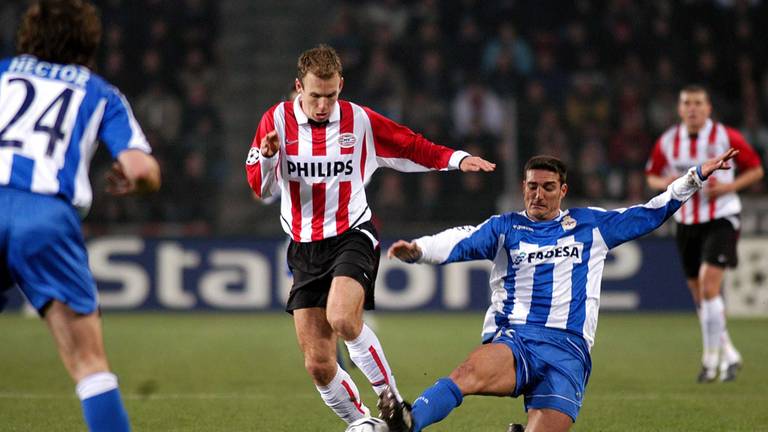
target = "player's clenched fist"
x: 269, y: 144
x: 405, y: 251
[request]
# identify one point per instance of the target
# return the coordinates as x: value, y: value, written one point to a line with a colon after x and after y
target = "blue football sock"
x: 435, y: 403
x: 102, y: 406
x: 105, y: 412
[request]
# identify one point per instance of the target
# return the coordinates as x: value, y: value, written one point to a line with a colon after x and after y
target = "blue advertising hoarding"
x: 219, y: 274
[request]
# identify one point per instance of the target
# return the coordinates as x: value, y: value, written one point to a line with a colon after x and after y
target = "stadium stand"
x: 593, y: 83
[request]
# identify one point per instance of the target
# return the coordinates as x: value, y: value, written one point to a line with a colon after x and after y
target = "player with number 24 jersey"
x: 50, y: 118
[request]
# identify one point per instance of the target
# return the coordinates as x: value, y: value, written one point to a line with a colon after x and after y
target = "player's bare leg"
x: 710, y: 280
x: 79, y: 341
x: 317, y: 341
x: 344, y: 310
x: 693, y: 287
x: 547, y: 420
x: 345, y: 315
x: 489, y: 370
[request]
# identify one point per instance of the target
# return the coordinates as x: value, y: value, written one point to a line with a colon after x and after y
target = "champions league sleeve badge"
x: 253, y: 156
x: 568, y: 223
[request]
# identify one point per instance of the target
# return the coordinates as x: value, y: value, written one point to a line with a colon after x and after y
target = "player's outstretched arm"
x: 621, y: 225
x: 463, y: 243
x: 474, y: 164
x: 405, y: 251
x: 134, y: 172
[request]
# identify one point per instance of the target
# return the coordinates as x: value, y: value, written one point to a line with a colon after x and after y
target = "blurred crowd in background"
x: 592, y: 82
x: 162, y: 55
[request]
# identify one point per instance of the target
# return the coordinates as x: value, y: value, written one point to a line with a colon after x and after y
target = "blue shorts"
x: 552, y: 367
x: 43, y: 252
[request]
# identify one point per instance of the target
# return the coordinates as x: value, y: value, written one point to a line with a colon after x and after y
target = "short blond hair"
x: 321, y: 60
x: 696, y: 88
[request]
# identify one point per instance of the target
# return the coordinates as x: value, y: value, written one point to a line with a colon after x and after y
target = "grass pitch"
x: 220, y: 372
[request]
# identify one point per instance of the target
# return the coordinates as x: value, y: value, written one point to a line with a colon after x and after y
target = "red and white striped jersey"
x: 675, y: 152
x: 321, y: 169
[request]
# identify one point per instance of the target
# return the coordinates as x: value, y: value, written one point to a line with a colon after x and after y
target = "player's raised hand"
x: 269, y: 144
x: 404, y: 251
x: 720, y: 162
x: 474, y: 164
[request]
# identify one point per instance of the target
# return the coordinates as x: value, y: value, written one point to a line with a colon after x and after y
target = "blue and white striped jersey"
x: 51, y: 116
x: 549, y: 273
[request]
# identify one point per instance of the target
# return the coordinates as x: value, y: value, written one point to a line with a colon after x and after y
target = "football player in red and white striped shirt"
x: 708, y: 224
x: 319, y: 151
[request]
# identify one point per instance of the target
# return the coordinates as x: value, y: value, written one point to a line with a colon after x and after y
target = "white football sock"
x: 342, y: 396
x: 730, y: 354
x: 96, y: 384
x: 368, y: 355
x: 712, y: 327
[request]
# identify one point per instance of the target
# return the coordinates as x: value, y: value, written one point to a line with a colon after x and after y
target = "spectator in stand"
x: 476, y: 104
x: 507, y: 39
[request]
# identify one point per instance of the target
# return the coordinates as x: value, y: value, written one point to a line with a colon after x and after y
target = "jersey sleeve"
x: 747, y: 157
x: 262, y: 171
x: 119, y: 130
x: 400, y: 148
x: 465, y: 243
x: 657, y: 161
x: 622, y: 225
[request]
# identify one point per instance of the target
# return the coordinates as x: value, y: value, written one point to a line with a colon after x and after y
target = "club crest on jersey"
x: 517, y: 259
x: 253, y: 156
x: 568, y: 223
x: 347, y: 140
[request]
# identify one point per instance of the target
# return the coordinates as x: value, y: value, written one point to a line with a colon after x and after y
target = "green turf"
x: 244, y: 373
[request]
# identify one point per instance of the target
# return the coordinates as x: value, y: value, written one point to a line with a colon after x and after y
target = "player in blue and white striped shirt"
x: 545, y: 281
x: 53, y: 110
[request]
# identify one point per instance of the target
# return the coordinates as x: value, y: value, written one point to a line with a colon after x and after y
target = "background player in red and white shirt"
x: 708, y: 224
x: 319, y: 152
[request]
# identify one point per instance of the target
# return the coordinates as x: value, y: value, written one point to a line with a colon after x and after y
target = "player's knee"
x: 709, y: 290
x: 322, y: 371
x: 468, y: 378
x: 345, y: 326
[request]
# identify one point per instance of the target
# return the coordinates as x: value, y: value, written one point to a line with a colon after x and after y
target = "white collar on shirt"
x: 704, y: 131
x: 559, y: 216
x: 302, y: 118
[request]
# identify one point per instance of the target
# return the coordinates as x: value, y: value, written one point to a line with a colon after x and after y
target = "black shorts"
x: 355, y: 253
x: 711, y: 242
